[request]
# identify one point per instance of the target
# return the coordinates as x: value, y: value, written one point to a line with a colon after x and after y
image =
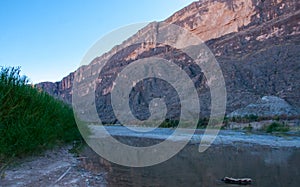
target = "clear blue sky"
x: 48, y: 38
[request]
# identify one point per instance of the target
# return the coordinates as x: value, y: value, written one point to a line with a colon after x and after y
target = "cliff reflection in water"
x: 266, y: 165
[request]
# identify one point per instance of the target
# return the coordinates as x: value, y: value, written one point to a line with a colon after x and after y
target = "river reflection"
x: 266, y: 165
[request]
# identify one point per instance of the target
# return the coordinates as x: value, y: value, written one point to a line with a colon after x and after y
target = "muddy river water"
x: 267, y: 160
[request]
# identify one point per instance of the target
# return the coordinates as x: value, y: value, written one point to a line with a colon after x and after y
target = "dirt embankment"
x: 57, y: 167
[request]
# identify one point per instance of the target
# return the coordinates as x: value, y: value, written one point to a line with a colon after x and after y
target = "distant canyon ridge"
x: 256, y: 43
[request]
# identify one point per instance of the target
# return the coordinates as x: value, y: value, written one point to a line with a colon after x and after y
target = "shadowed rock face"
x: 255, y: 42
x: 61, y: 89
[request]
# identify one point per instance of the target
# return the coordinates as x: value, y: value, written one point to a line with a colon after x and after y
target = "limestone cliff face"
x: 256, y: 43
x: 210, y: 19
x: 213, y: 19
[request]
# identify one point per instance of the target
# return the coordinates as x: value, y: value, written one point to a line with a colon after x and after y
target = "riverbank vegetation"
x: 30, y: 119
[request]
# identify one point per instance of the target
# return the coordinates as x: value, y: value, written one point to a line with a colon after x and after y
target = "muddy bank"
x: 268, y: 160
x: 57, y: 167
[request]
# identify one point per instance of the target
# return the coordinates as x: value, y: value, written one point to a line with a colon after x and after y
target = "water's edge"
x: 268, y: 160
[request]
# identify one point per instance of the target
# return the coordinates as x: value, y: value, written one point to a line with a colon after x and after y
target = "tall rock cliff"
x: 256, y: 43
x: 61, y: 89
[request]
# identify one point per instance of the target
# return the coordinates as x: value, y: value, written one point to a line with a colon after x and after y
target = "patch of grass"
x: 253, y: 118
x: 277, y: 127
x: 249, y: 128
x: 244, y: 119
x: 31, y: 120
x: 202, y: 123
x: 169, y: 123
x: 77, y: 147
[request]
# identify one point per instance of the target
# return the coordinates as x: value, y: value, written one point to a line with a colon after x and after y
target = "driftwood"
x: 242, y: 181
x: 82, y: 157
x: 63, y: 175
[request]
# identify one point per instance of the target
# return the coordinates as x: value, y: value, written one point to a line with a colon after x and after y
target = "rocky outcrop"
x: 265, y: 107
x: 256, y: 43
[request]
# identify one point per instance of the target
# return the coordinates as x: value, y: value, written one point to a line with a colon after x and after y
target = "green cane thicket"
x: 31, y: 120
